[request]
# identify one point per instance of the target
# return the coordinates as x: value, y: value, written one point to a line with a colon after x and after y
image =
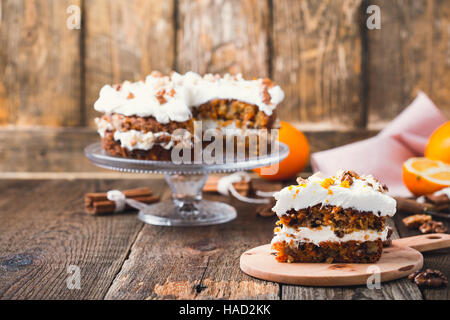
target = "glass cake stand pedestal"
x: 186, y: 181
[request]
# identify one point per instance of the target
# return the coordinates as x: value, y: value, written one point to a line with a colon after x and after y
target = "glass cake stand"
x: 186, y: 182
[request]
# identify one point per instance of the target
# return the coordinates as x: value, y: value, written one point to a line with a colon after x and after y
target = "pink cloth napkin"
x: 383, y: 155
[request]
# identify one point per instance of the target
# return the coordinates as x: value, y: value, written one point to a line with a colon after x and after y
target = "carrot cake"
x: 336, y: 219
x: 141, y: 119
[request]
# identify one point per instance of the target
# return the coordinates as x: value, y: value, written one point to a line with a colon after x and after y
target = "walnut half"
x: 429, y: 278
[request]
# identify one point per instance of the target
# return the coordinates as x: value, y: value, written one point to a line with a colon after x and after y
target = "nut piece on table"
x: 265, y: 210
x: 433, y: 227
x: 429, y: 278
x: 415, y: 221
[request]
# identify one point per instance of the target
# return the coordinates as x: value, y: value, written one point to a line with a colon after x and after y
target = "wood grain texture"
x: 440, y: 74
x: 401, y: 289
x: 39, y: 63
x: 410, y: 52
x: 439, y: 259
x: 313, y: 49
x: 46, y: 150
x: 120, y: 259
x: 126, y: 40
x: 317, y: 61
x: 223, y: 36
x: 426, y: 242
x: 196, y: 263
x: 44, y: 230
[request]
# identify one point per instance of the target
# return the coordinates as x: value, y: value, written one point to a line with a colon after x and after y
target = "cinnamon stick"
x: 412, y: 206
x: 98, y: 203
x: 242, y: 187
x: 441, y: 200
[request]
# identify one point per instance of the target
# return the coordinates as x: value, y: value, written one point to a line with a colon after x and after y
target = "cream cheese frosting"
x: 133, y: 139
x: 317, y: 236
x: 171, y: 98
x: 156, y: 96
x: 363, y: 193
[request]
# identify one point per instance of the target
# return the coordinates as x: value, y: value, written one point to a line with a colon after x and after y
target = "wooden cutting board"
x: 397, y: 261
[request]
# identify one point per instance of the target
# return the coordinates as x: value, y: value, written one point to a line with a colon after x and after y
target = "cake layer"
x: 142, y: 133
x: 145, y: 140
x: 172, y: 98
x: 329, y: 252
x: 113, y: 147
x: 221, y: 112
x: 149, y: 124
x: 133, y: 134
x: 340, y: 220
x: 244, y: 115
x: 346, y: 190
x: 323, y: 234
x: 159, y: 146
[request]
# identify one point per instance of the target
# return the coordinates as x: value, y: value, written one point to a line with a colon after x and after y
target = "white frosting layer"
x: 364, y: 194
x: 325, y: 234
x: 141, y: 99
x: 171, y: 98
x: 103, y: 126
x: 133, y: 139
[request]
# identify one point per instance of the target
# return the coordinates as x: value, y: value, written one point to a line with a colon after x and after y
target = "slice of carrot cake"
x: 336, y: 219
x: 140, y: 119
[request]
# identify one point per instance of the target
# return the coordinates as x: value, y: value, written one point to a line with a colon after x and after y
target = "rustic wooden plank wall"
x: 317, y: 60
x: 411, y: 52
x: 40, y: 81
x: 223, y: 36
x: 336, y: 73
x: 125, y: 40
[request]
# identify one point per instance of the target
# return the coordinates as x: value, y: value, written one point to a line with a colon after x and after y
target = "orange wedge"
x: 425, y: 176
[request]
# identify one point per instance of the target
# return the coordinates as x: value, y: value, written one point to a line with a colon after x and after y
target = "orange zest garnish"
x: 345, y: 184
x: 327, y: 183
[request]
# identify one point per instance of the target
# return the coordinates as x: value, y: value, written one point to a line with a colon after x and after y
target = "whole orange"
x: 298, y: 154
x: 438, y: 146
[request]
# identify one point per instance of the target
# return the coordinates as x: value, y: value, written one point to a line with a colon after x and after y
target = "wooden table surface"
x: 44, y: 230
